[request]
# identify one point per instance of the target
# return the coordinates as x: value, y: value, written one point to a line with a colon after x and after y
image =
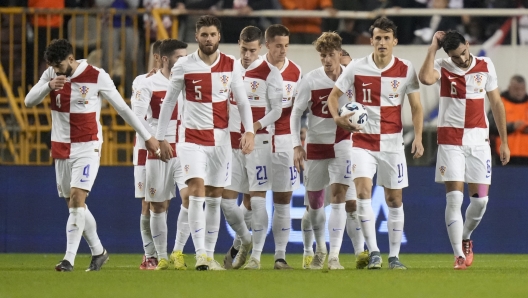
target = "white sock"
x: 146, y: 236
x: 74, y: 231
x: 197, y: 223
x: 281, y: 227
x: 395, y: 227
x: 336, y: 228
x: 474, y: 213
x: 182, y: 229
x: 90, y: 233
x: 212, y: 224
x: 318, y: 218
x: 247, y: 219
x: 235, y: 218
x: 367, y: 223
x: 158, y: 226
x: 307, y: 234
x: 453, y: 220
x: 354, y: 232
x: 259, y: 223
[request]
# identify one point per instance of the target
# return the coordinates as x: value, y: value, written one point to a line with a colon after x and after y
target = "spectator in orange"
x: 516, y: 105
x: 305, y: 30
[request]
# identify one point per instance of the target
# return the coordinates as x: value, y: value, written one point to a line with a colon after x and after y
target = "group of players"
x: 216, y: 126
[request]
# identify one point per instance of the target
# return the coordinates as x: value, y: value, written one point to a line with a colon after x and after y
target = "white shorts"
x: 77, y: 172
x: 320, y: 173
x: 391, y: 167
x: 212, y: 164
x: 251, y: 172
x: 140, y: 177
x: 162, y: 179
x: 284, y: 175
x: 470, y: 164
x: 351, y: 195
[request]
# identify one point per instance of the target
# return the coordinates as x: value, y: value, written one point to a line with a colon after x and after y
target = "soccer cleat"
x: 281, y: 264
x: 98, y: 261
x: 228, y: 258
x: 214, y: 265
x: 394, y: 263
x: 307, y: 261
x: 467, y: 247
x: 163, y: 264
x: 253, y: 264
x: 375, y: 260
x: 460, y: 263
x: 362, y: 259
x: 201, y: 263
x: 333, y: 264
x: 177, y: 260
x: 64, y: 266
x: 241, y: 257
x: 318, y: 261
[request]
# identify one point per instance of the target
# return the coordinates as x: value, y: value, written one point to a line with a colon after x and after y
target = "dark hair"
x: 251, y: 33
x: 156, y: 46
x: 452, y: 40
x: 384, y: 24
x: 170, y: 45
x: 208, y: 21
x: 276, y: 30
x: 344, y: 53
x: 57, y: 51
x: 519, y: 79
x: 328, y: 41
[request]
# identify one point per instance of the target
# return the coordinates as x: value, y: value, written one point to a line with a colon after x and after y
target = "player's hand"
x: 256, y: 126
x: 504, y: 154
x: 247, y: 143
x: 417, y: 148
x: 58, y: 82
x: 152, y: 146
x: 299, y: 156
x: 344, y: 123
x: 437, y: 39
x: 152, y: 72
x: 166, y: 151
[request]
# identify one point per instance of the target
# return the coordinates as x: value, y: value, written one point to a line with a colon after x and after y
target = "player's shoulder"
x: 87, y: 73
x: 293, y: 67
x: 138, y: 80
x: 402, y: 61
x: 314, y: 74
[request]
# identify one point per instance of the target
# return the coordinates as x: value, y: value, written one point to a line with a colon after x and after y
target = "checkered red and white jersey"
x: 462, y: 116
x: 324, y: 137
x: 382, y: 92
x: 146, y: 103
x: 76, y: 109
x: 291, y: 77
x: 206, y: 90
x: 263, y: 83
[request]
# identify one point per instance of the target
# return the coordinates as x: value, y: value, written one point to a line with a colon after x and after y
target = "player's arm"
x: 417, y: 119
x: 299, y: 106
x: 44, y: 86
x: 140, y: 102
x: 428, y: 74
x: 499, y: 114
x: 274, y: 93
x: 344, y: 81
x: 239, y: 93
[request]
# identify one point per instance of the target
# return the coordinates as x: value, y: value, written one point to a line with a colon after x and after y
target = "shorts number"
x: 86, y: 171
x: 293, y: 173
x: 262, y: 173
x: 349, y: 165
x: 198, y: 93
x: 400, y: 171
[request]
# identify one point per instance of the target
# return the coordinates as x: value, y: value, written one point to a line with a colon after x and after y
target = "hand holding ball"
x: 360, y: 116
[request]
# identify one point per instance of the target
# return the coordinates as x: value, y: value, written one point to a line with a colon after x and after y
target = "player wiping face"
x: 63, y: 69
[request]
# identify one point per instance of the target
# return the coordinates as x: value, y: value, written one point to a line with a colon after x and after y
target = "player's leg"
x: 259, y: 225
x: 176, y: 258
x: 336, y: 222
x: 353, y: 228
x: 307, y: 235
x: 150, y: 260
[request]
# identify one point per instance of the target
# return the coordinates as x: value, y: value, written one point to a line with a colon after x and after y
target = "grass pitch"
x: 33, y: 275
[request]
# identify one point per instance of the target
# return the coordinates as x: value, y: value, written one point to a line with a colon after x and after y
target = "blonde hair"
x: 328, y: 41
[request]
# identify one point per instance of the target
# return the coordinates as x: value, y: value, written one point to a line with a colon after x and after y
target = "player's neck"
x: 333, y: 75
x: 381, y: 62
x: 208, y: 59
x: 165, y: 72
x: 277, y: 63
x: 74, y: 66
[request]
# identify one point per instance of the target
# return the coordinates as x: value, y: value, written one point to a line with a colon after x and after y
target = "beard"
x: 206, y: 48
x: 67, y: 73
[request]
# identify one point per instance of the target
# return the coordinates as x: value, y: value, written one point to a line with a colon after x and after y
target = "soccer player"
x: 150, y: 260
x: 263, y: 84
x: 284, y: 174
x: 327, y: 151
x: 162, y: 177
x: 206, y: 77
x: 380, y: 82
x: 464, y: 154
x: 76, y: 90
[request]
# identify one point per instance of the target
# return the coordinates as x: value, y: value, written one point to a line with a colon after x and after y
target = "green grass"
x: 32, y: 275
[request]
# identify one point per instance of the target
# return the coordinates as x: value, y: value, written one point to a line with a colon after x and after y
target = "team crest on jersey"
x: 224, y: 79
x: 395, y: 84
x: 140, y: 185
x: 442, y: 170
x: 349, y: 94
x: 152, y: 191
x: 84, y: 90
x: 289, y: 89
x: 254, y: 85
x: 186, y: 168
x: 478, y: 79
x: 138, y: 94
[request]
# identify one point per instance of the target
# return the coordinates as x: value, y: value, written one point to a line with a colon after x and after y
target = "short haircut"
x: 251, y: 33
x: 344, y: 53
x: 452, y: 40
x: 519, y: 79
x: 57, y: 51
x: 208, y: 21
x: 328, y: 41
x: 169, y: 45
x: 156, y: 47
x: 384, y: 24
x: 276, y: 30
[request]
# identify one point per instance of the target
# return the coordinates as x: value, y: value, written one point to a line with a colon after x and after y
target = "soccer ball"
x: 360, y: 116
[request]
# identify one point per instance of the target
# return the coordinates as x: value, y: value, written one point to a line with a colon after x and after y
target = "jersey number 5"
x: 197, y: 92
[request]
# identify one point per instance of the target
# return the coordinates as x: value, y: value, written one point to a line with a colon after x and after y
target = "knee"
x: 351, y: 206
x: 158, y: 207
